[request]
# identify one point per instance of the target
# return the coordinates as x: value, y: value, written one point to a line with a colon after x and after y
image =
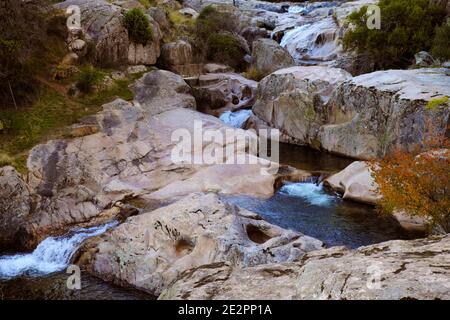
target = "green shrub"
x: 138, y: 26
x: 210, y: 20
x: 225, y: 48
x: 214, y: 37
x: 88, y: 78
x: 441, y: 42
x: 407, y: 27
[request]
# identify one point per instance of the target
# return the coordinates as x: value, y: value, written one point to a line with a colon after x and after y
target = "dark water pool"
x: 334, y: 221
x: 320, y: 213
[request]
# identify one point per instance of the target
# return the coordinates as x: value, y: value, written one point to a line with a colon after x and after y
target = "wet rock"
x: 396, y: 270
x: 268, y: 56
x: 128, y: 155
x: 152, y: 250
x: 355, y: 183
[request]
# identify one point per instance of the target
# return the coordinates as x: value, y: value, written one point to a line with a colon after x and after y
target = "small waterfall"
x: 311, y: 192
x: 316, y: 41
x: 235, y: 119
x: 51, y: 255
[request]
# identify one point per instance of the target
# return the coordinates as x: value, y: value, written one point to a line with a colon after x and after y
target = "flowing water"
x: 41, y: 273
x: 51, y: 255
x: 311, y: 209
x: 236, y: 119
x: 311, y: 34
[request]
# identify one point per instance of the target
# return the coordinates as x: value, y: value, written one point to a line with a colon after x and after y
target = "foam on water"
x: 235, y: 119
x: 51, y: 255
x: 311, y: 192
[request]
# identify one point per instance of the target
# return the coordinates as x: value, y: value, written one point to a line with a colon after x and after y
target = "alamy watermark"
x: 74, y: 280
x: 74, y: 19
x: 226, y: 146
x: 373, y: 17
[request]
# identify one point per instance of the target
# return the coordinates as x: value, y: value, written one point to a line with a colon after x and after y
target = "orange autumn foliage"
x: 418, y: 184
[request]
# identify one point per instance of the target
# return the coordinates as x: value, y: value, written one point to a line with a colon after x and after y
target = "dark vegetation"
x: 407, y: 27
x: 215, y: 37
x: 139, y: 29
x: 34, y: 104
x: 30, y: 39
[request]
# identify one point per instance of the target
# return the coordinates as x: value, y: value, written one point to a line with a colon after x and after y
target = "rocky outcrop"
x: 268, y: 56
x: 149, y: 53
x: 101, y: 25
x: 219, y: 92
x: 160, y: 16
x: 126, y: 153
x: 175, y: 55
x: 161, y: 90
x: 189, y: 12
x: 362, y: 117
x: 153, y: 249
x: 355, y: 183
x: 372, y: 114
x: 251, y: 34
x: 417, y: 269
x: 293, y: 100
x: 15, y: 206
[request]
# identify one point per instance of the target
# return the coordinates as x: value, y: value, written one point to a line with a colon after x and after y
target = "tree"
x: 407, y: 27
x: 22, y: 37
x: 417, y: 183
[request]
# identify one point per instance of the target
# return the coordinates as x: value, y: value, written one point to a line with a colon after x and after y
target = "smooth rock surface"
x: 355, y: 183
x: 418, y: 269
x: 372, y: 114
x: 176, y: 54
x: 268, y: 56
x: 88, y: 180
x: 151, y: 250
x: 293, y: 100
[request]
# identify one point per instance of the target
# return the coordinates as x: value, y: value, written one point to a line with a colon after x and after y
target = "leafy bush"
x: 210, y: 20
x: 407, y: 27
x: 138, y: 26
x: 441, y: 42
x: 215, y: 37
x: 418, y: 185
x: 225, y: 48
x: 88, y: 79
